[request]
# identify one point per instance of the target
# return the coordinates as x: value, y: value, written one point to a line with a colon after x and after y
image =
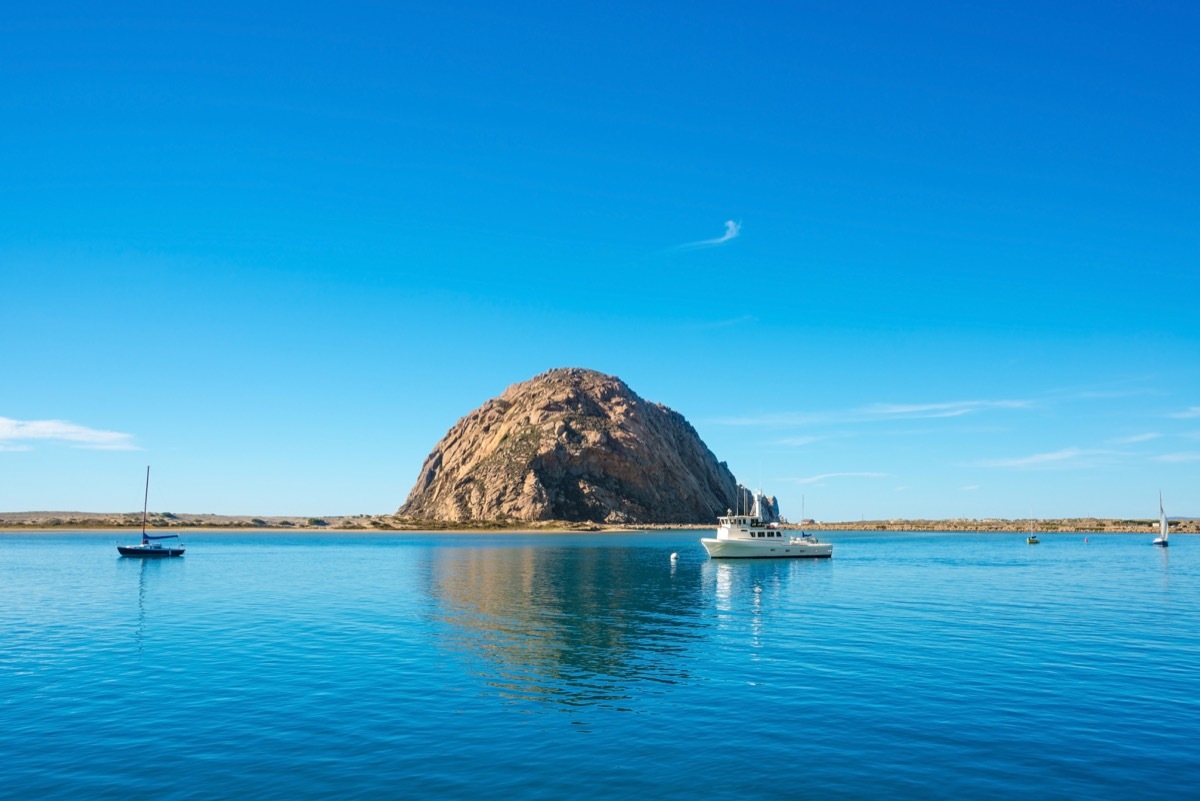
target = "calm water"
x: 270, y: 666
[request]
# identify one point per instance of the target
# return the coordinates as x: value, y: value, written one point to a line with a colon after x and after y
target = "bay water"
x: 270, y: 665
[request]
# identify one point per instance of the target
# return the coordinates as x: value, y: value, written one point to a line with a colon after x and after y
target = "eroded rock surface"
x: 575, y: 445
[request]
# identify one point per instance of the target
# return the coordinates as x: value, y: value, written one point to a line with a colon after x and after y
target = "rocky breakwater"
x: 573, y: 445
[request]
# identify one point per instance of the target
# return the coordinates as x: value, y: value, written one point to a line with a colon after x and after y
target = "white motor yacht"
x: 750, y: 537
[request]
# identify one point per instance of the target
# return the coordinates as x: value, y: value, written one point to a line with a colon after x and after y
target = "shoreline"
x: 382, y: 524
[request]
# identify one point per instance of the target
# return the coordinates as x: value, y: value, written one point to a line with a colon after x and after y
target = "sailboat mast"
x: 145, y: 501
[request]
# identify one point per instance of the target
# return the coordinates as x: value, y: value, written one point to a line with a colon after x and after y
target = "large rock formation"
x: 572, y: 445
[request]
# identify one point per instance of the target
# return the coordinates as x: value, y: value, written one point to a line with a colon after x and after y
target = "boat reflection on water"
x: 747, y: 594
x: 570, y: 626
x: 149, y: 574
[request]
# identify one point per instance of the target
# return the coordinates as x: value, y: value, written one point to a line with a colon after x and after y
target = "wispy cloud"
x: 18, y: 431
x: 1067, y: 457
x: 892, y: 411
x: 729, y: 322
x: 1149, y: 435
x: 1128, y: 387
x: 1187, y: 414
x: 877, y: 412
x: 1113, y: 394
x: 732, y: 230
x: 825, y: 476
x: 1178, y: 457
x: 798, y: 442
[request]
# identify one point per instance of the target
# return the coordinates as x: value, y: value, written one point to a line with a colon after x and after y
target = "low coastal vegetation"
x: 1068, y: 524
x: 84, y: 521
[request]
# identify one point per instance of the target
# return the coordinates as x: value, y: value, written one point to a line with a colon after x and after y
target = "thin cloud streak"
x: 63, y: 431
x: 935, y: 410
x: 798, y: 442
x: 745, y: 319
x: 877, y: 412
x: 1187, y: 414
x: 1178, y: 457
x: 1067, y: 457
x: 1149, y: 435
x: 732, y: 231
x: 824, y: 476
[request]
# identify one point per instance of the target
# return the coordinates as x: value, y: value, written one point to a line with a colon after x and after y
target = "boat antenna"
x: 145, y: 502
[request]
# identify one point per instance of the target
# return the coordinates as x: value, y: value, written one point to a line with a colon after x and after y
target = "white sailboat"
x: 1163, y: 525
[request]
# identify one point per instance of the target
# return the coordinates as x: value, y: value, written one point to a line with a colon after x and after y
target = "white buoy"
x: 673, y: 556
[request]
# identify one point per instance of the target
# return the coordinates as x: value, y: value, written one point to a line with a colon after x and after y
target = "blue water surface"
x: 286, y: 666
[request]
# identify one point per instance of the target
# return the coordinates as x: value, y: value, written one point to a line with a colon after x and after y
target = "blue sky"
x: 890, y: 260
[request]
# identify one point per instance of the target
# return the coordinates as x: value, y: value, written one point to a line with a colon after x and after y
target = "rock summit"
x: 573, y: 445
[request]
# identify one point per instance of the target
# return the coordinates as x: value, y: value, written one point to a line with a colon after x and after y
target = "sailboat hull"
x: 148, y: 553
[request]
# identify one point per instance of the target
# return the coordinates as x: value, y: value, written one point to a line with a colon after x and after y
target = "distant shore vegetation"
x: 85, y: 521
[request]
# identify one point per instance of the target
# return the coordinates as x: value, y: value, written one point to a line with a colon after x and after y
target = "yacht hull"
x: 745, y: 549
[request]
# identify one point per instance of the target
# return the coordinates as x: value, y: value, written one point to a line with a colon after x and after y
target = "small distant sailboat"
x: 1163, y: 526
x: 150, y: 547
x: 1032, y: 539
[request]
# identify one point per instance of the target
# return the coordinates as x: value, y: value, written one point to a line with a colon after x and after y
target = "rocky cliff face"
x: 573, y: 445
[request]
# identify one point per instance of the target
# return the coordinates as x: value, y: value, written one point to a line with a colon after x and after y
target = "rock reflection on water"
x: 568, y: 626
